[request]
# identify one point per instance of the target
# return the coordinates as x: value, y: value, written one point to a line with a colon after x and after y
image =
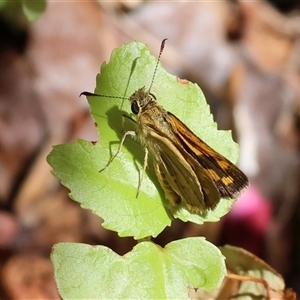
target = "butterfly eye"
x: 135, y: 107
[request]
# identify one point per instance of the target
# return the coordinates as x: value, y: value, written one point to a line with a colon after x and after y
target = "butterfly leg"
x: 132, y: 133
x: 144, y: 170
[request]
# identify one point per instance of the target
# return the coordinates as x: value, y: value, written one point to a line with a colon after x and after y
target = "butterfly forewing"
x: 178, y: 179
x: 229, y: 180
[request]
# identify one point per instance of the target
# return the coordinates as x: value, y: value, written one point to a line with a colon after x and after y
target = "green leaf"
x: 78, y: 164
x: 130, y: 68
x: 111, y: 194
x: 146, y: 272
x: 33, y: 9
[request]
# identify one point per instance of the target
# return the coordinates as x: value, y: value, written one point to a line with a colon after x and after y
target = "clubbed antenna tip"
x: 162, y: 46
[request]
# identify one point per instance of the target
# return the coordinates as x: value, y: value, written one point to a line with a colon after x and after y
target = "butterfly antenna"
x: 162, y: 46
x: 99, y: 95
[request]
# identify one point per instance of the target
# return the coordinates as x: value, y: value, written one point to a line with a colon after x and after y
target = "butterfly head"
x: 140, y: 99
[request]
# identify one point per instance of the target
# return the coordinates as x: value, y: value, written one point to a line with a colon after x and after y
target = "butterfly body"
x: 187, y: 168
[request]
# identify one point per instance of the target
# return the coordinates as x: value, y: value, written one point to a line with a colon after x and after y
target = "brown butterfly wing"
x: 228, y: 179
x: 178, y: 178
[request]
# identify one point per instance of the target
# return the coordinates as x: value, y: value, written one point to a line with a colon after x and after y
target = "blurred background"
x: 244, y: 55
